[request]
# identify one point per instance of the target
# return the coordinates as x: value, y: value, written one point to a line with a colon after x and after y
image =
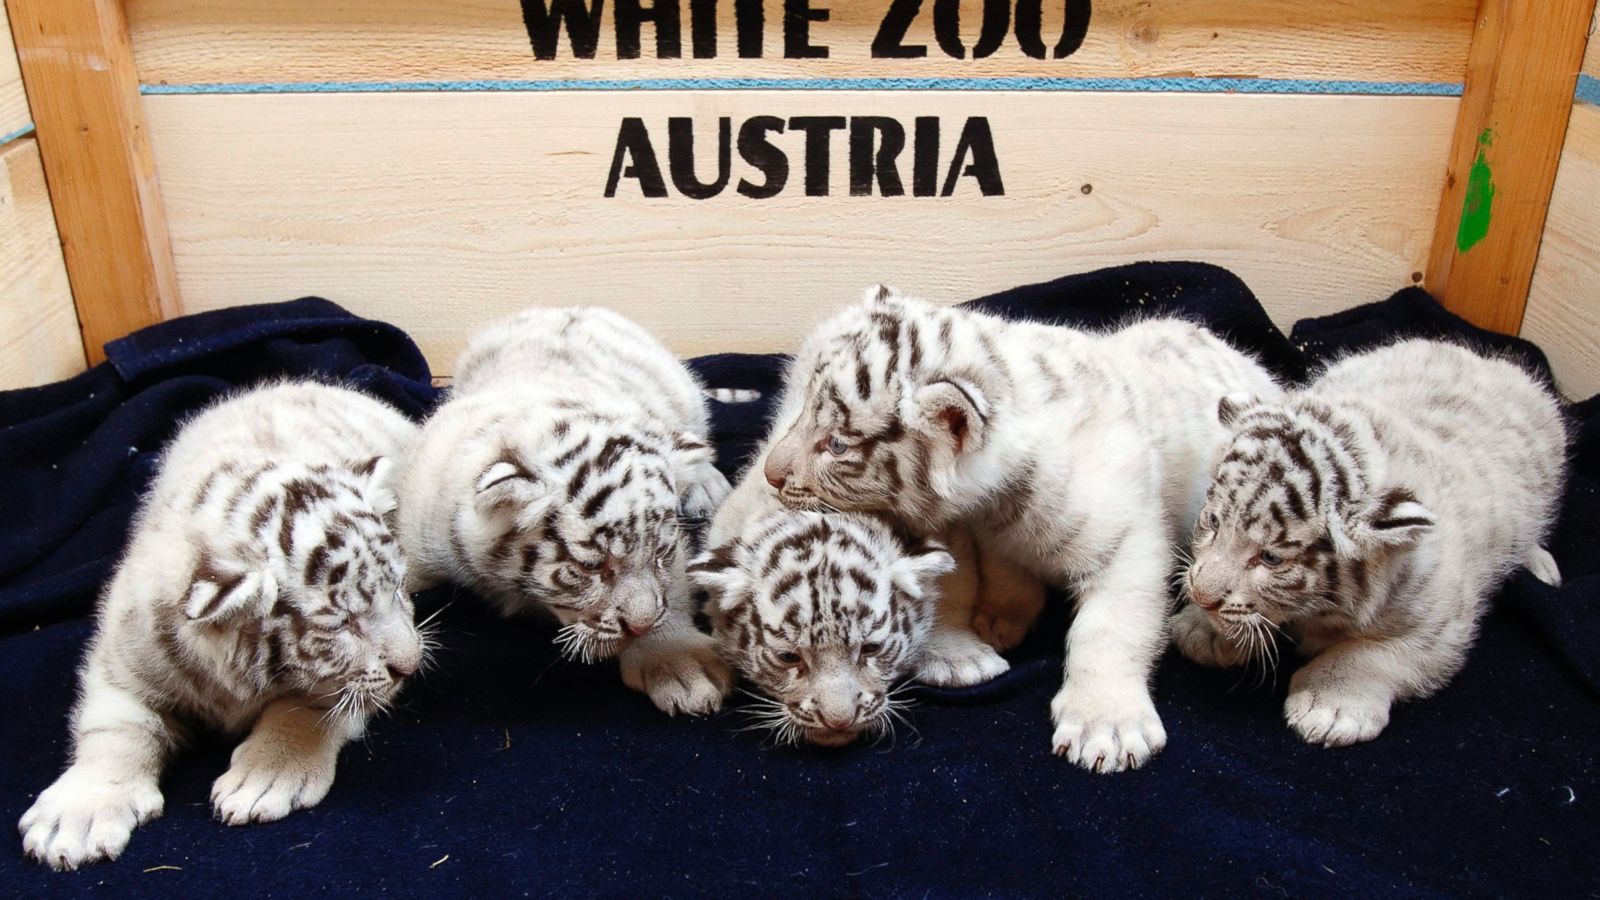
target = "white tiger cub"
x: 980, y: 608
x: 826, y: 614
x: 1371, y: 516
x: 261, y: 590
x: 554, y: 478
x: 1082, y: 457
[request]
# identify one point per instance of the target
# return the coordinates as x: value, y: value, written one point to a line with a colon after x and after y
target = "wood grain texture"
x: 182, y: 42
x: 79, y: 70
x: 1513, y: 117
x: 1591, y: 57
x: 1564, y: 305
x: 39, y: 340
x: 13, y: 100
x: 440, y: 212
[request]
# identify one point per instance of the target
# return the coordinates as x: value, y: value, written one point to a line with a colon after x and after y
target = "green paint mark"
x: 1476, y: 207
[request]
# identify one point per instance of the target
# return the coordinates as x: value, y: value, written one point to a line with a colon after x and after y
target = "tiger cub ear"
x: 955, y: 410
x: 880, y: 293
x: 216, y: 596
x: 374, y: 476
x: 507, y: 489
x: 718, y: 572
x: 1234, y: 405
x: 917, y: 573
x: 1391, y: 520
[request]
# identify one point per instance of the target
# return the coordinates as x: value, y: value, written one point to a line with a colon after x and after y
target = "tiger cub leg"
x: 1343, y: 695
x: 954, y: 655
x: 675, y: 665
x: 112, y: 786
x: 1009, y: 601
x: 1105, y: 718
x: 286, y: 763
x: 1200, y: 641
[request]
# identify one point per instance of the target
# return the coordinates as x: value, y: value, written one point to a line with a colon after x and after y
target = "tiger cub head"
x: 880, y: 409
x: 825, y: 614
x: 1297, y: 511
x: 586, y: 526
x: 314, y: 604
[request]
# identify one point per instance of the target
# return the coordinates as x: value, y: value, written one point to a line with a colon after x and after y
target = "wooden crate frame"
x: 84, y: 89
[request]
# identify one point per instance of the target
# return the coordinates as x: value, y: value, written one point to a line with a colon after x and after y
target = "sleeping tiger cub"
x: 804, y: 570
x: 554, y: 478
x: 261, y: 591
x: 826, y: 615
x: 1082, y: 457
x: 1371, y: 516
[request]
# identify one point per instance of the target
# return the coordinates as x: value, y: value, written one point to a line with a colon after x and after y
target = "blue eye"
x: 1269, y: 559
x: 836, y: 446
x: 789, y: 658
x: 872, y: 649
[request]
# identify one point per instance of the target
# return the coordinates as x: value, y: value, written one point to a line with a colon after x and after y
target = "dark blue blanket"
x: 507, y: 771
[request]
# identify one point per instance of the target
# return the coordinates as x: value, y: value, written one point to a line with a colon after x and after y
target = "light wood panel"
x: 39, y: 340
x: 182, y: 42
x: 13, y: 100
x: 1591, y: 58
x: 438, y: 212
x: 1564, y: 306
x: 79, y: 70
x: 1502, y: 164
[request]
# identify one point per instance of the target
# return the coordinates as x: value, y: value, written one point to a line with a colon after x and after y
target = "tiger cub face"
x: 879, y: 419
x: 324, y: 614
x: 590, y: 532
x: 825, y: 614
x: 1292, y: 518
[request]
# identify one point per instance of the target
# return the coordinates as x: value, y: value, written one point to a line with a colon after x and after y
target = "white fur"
x: 169, y: 643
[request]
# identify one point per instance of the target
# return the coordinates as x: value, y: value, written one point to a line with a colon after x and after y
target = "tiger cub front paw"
x: 954, y: 658
x: 680, y: 672
x: 1199, y: 641
x: 267, y: 780
x: 85, y: 817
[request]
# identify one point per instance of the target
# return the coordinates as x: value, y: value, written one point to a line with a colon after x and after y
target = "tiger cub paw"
x: 680, y: 672
x: 955, y: 658
x: 1200, y: 642
x: 267, y: 780
x: 1335, y: 719
x: 84, y: 818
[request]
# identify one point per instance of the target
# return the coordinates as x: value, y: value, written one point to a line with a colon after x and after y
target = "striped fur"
x: 261, y: 590
x: 826, y: 615
x: 556, y: 479
x: 1370, y: 517
x: 983, y: 606
x: 1082, y: 457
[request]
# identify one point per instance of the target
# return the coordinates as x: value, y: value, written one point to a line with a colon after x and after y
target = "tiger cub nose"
x: 401, y: 671
x: 1203, y: 600
x: 776, y: 477
x: 637, y: 630
x: 840, y: 723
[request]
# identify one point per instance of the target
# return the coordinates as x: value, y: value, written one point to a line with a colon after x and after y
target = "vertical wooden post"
x: 83, y: 89
x: 1521, y: 71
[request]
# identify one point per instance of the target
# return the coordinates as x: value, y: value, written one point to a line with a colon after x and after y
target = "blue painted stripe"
x: 1588, y: 90
x: 22, y: 132
x: 1092, y: 85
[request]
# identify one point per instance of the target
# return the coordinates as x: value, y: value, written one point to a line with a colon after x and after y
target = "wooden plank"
x: 39, y: 340
x: 182, y: 42
x: 439, y: 212
x: 13, y: 100
x: 78, y: 66
x: 1563, y: 312
x: 1591, y: 58
x: 1513, y: 117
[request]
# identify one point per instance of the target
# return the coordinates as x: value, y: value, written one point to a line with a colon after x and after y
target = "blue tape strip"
x: 1588, y: 90
x: 1092, y: 85
x: 22, y: 132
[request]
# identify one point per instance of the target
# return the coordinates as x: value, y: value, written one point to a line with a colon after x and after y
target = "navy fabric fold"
x: 507, y: 771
